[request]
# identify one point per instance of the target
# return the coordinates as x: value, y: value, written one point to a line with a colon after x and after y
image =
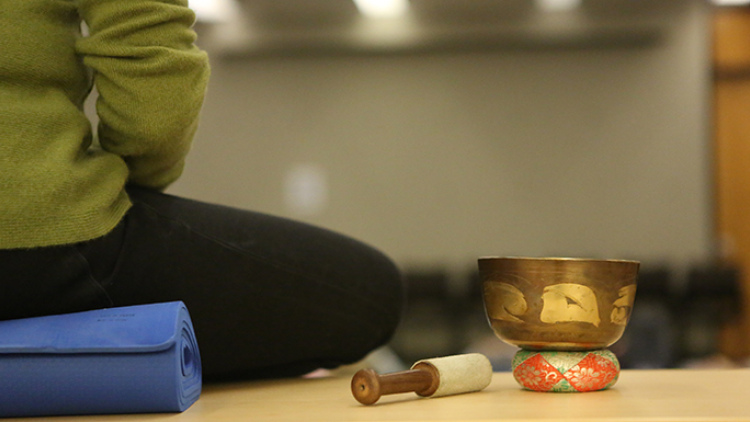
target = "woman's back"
x: 55, y: 187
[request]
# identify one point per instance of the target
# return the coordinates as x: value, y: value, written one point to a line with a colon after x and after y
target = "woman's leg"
x: 50, y: 280
x: 268, y: 296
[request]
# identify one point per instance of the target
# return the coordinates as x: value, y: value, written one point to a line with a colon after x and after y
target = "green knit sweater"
x: 56, y: 186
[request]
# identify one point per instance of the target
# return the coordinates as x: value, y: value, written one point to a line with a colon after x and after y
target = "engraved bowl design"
x: 558, y: 303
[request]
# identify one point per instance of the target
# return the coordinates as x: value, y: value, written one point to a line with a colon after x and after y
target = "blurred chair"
x: 429, y: 324
x: 711, y: 298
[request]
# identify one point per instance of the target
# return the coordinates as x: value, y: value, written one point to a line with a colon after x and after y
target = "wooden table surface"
x: 663, y: 395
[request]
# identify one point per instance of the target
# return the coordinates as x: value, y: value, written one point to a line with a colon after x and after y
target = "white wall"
x: 440, y: 158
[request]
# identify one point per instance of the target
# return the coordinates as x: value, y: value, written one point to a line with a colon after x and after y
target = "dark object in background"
x: 712, y: 297
x: 431, y: 319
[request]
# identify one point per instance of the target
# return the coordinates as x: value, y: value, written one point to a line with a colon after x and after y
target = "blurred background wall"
x: 586, y: 145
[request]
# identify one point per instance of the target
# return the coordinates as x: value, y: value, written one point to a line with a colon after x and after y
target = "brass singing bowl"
x: 558, y: 303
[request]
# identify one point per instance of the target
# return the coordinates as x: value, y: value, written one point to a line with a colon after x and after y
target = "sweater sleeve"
x: 151, y: 81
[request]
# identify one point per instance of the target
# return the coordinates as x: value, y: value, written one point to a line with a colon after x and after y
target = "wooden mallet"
x: 428, y: 378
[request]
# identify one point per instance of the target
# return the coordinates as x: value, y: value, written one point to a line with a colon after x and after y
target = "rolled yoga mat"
x: 136, y: 359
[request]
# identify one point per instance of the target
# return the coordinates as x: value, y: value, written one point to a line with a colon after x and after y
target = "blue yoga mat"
x: 136, y: 359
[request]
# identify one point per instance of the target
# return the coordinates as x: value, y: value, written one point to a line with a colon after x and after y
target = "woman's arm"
x: 151, y: 80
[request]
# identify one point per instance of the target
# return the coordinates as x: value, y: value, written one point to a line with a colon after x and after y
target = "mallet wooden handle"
x: 368, y: 386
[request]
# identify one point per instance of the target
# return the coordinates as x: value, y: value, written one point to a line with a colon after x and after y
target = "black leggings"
x: 268, y: 297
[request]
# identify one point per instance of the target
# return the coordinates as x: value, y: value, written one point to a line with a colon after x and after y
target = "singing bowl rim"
x: 560, y: 259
